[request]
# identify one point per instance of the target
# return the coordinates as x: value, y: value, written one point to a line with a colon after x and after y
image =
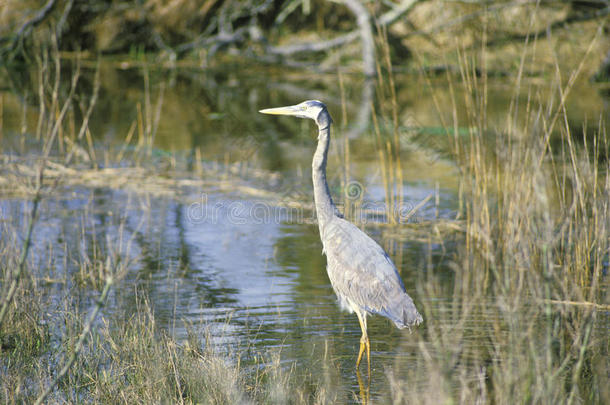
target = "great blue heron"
x: 360, y: 271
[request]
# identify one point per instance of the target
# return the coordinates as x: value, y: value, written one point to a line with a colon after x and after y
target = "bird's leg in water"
x: 362, y: 346
x: 368, y: 355
x: 364, y: 343
x: 364, y: 390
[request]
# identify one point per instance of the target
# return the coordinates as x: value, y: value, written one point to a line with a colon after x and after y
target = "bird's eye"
x: 304, y: 108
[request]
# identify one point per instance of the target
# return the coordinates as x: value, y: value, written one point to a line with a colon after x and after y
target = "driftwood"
x: 15, y: 41
x: 386, y: 19
x: 227, y: 33
x: 26, y: 27
x: 364, y: 31
x: 37, y: 19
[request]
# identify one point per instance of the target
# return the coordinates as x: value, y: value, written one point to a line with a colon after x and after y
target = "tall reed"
x: 533, y: 261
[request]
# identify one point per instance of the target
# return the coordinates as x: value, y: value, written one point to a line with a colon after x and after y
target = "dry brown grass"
x: 534, y: 260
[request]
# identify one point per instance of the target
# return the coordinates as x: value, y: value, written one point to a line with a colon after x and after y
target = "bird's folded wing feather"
x: 360, y: 270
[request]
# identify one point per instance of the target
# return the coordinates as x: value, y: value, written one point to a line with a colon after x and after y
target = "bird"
x: 362, y: 275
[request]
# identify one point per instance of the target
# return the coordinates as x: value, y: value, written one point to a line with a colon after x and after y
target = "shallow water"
x: 248, y: 271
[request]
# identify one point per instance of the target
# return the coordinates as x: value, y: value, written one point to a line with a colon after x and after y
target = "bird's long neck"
x: 325, y: 208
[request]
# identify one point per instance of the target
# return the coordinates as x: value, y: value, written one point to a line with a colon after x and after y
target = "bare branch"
x: 386, y: 19
x: 37, y: 19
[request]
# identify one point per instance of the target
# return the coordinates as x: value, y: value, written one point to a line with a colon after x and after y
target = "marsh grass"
x: 534, y: 255
x: 57, y: 343
x: 524, y: 321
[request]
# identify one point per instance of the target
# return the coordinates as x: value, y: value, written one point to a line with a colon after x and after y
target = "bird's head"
x: 312, y: 109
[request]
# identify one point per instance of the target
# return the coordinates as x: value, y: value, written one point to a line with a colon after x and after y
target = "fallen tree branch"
x: 37, y: 19
x: 64, y: 17
x: 314, y: 46
x: 216, y: 42
x: 386, y: 19
x: 224, y: 24
x: 363, y: 19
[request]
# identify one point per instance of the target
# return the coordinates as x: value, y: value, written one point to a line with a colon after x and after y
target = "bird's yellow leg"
x: 364, y: 390
x: 368, y: 354
x: 364, y: 342
x: 362, y: 347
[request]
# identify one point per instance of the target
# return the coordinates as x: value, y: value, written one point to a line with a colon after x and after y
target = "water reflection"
x: 214, y: 109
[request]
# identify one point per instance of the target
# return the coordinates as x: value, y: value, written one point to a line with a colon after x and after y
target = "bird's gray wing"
x: 362, y: 272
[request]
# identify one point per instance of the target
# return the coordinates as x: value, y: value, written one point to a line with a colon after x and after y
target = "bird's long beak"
x: 288, y: 110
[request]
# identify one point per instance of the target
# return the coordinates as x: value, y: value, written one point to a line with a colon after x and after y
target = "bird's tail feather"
x: 407, y: 314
